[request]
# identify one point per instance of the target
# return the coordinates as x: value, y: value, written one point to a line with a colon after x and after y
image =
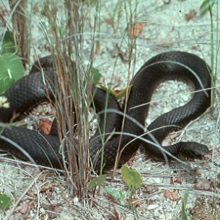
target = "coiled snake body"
x: 30, y: 90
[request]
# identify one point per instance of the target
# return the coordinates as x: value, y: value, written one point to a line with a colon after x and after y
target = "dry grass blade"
x: 20, y: 28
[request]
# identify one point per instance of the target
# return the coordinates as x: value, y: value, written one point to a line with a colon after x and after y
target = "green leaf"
x: 8, y: 45
x: 11, y: 70
x: 184, y: 202
x: 131, y: 177
x: 119, y: 196
x: 97, y: 181
x: 115, y: 194
x: 5, y: 201
x: 206, y: 6
x: 96, y: 76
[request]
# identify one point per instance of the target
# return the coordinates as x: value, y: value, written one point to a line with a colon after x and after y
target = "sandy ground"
x: 174, y: 25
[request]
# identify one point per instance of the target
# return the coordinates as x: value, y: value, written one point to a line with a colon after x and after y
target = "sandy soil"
x: 174, y: 25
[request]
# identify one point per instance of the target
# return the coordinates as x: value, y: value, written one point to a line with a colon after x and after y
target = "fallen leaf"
x: 45, y: 126
x: 135, y: 30
x: 176, y: 180
x: 190, y: 15
x: 203, y: 185
x: 46, y: 186
x: 172, y: 195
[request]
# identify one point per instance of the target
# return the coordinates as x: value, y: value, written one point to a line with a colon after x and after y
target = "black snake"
x: 175, y: 65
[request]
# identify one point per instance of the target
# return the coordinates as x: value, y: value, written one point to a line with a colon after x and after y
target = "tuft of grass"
x: 207, y: 7
x: 65, y: 42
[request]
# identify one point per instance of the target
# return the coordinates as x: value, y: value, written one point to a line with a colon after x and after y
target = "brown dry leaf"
x: 45, y: 126
x: 46, y: 186
x: 135, y: 30
x: 172, y: 195
x: 176, y: 180
x: 203, y: 185
x: 190, y: 15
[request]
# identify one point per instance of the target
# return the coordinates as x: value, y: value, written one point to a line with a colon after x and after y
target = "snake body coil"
x: 44, y: 149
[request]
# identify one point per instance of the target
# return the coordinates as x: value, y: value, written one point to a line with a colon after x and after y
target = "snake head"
x: 194, y: 150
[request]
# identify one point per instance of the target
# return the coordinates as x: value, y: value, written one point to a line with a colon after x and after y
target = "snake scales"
x: 175, y: 65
